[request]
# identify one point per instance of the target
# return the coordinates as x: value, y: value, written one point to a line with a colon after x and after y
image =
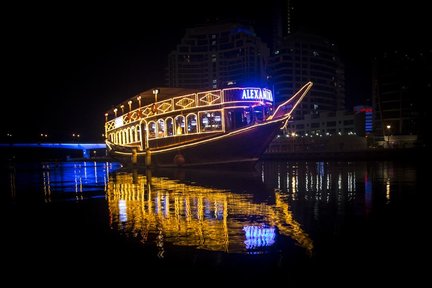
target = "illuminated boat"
x: 171, y: 127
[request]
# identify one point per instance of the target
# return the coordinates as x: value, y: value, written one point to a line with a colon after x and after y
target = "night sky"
x: 65, y: 66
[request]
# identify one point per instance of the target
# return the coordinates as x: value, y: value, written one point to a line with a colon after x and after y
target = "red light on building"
x: 366, y: 109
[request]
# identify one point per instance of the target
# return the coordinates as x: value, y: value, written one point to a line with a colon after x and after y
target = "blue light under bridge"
x: 84, y: 147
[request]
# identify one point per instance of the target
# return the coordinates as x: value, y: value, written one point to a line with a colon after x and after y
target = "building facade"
x: 217, y: 56
x: 304, y: 57
x: 357, y: 122
x: 339, y: 131
x: 402, y: 84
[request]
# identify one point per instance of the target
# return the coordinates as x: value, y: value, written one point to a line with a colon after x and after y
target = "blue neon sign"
x: 257, y: 94
x: 248, y: 94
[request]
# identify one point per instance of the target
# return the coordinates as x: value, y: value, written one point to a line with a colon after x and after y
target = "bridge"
x: 85, y: 147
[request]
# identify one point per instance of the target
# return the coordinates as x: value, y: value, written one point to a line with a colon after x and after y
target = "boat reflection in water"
x: 192, y: 208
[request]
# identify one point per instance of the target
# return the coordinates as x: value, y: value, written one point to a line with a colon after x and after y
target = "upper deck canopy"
x: 147, y: 97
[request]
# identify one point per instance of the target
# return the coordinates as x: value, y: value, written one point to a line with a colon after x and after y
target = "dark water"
x: 297, y: 222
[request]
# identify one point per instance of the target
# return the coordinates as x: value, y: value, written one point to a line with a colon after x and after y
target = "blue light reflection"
x: 259, y: 236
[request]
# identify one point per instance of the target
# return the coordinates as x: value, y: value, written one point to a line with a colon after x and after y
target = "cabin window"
x: 125, y: 137
x: 238, y: 118
x: 138, y: 133
x: 191, y: 123
x: 210, y: 121
x: 152, y: 130
x: 169, y: 127
x: 180, y: 125
x: 132, y: 135
x: 259, y: 113
x: 161, y: 128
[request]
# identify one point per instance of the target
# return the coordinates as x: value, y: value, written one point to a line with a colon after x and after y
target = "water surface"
x: 287, y: 220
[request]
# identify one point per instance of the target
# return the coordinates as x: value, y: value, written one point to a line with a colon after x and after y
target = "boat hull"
x: 234, y: 150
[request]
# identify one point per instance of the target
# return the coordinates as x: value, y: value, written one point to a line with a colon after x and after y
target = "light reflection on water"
x: 238, y: 213
x: 282, y: 206
x: 76, y: 176
x: 80, y: 178
x: 183, y: 213
x: 66, y: 181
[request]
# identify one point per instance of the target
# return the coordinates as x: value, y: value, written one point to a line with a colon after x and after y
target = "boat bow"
x: 284, y: 110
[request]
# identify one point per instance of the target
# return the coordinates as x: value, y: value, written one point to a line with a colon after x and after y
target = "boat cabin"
x: 167, y: 117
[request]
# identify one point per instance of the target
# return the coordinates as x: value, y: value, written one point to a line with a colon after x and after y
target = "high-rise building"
x: 282, y: 18
x: 402, y: 86
x: 300, y: 58
x: 217, y: 56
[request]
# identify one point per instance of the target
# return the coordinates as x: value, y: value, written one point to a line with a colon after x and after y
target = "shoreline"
x: 410, y: 154
x: 359, y: 155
